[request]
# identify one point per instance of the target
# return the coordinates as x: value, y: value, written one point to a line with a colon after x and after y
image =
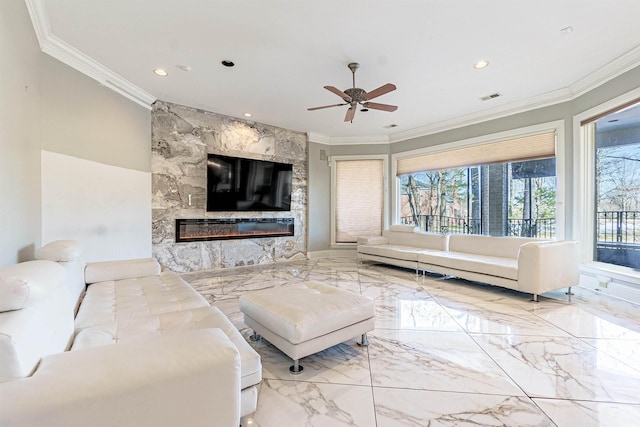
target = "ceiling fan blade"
x: 383, y: 107
x: 325, y: 106
x: 338, y: 92
x: 380, y: 91
x: 351, y: 112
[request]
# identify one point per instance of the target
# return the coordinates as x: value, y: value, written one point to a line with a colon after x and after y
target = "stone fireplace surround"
x: 181, y: 138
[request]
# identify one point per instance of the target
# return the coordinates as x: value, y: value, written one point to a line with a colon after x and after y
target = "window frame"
x: 584, y: 209
x: 385, y: 198
x: 560, y: 149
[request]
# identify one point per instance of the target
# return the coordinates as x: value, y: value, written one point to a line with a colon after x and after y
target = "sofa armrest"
x: 95, y: 272
x: 191, y: 378
x: 372, y: 240
x: 546, y: 266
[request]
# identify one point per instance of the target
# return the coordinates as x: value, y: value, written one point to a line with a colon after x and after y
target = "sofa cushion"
x: 403, y: 228
x: 483, y: 264
x: 419, y: 239
x: 25, y: 284
x: 407, y: 253
x: 96, y: 272
x: 40, y: 317
x: 503, y: 247
x: 106, y: 303
x: 68, y: 254
x: 60, y: 250
x: 130, y: 329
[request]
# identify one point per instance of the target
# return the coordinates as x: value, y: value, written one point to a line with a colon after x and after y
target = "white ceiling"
x: 285, y: 51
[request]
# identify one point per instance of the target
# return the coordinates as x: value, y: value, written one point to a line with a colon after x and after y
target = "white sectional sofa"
x: 139, y: 348
x: 527, y: 265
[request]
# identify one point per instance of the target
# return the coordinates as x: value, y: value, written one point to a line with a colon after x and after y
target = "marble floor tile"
x: 413, y: 313
x: 493, y: 318
x: 562, y: 367
x: 413, y: 408
x: 301, y: 403
x: 571, y: 413
x: 446, y: 352
x: 346, y: 363
x: 581, y: 322
x: 426, y: 360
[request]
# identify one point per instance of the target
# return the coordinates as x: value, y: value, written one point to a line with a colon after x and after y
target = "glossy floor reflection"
x: 446, y: 352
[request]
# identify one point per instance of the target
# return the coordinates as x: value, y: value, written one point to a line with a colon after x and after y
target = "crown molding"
x: 67, y: 54
x: 545, y: 100
x: 347, y: 140
x: 613, y: 69
x: 602, y: 75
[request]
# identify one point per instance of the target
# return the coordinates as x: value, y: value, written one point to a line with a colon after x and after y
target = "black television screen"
x: 237, y: 184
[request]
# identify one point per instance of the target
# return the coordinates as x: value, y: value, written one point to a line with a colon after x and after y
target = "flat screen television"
x: 238, y: 184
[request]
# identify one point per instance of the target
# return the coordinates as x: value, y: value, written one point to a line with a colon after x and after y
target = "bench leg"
x: 296, y: 368
x: 569, y: 291
x: 363, y: 340
x: 254, y: 336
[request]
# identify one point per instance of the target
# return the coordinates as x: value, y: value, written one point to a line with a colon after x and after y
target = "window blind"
x: 530, y: 147
x: 359, y: 199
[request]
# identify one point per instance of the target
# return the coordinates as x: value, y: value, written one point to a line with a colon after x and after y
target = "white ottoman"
x: 304, y: 318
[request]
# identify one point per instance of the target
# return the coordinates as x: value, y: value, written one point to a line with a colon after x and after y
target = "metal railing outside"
x: 618, y: 226
x: 446, y: 224
x: 540, y: 227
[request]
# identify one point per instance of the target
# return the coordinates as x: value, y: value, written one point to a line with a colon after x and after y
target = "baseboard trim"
x: 332, y: 253
x: 615, y: 288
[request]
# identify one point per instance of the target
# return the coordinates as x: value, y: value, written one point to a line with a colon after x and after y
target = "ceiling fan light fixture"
x: 356, y: 97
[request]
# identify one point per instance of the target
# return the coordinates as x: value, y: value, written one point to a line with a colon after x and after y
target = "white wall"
x: 107, y: 208
x: 46, y: 105
x: 19, y: 150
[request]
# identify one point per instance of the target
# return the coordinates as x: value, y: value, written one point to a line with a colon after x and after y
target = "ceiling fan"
x: 354, y: 96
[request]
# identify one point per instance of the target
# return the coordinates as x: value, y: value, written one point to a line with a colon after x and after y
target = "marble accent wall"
x: 181, y: 138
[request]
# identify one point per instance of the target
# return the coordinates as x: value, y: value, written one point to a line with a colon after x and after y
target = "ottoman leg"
x: 364, y: 341
x: 296, y: 368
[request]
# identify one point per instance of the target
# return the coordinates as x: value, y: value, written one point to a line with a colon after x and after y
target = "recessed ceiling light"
x: 480, y: 64
x: 227, y: 63
x: 567, y: 30
x: 247, y: 114
x: 184, y: 67
x: 393, y: 125
x: 160, y: 72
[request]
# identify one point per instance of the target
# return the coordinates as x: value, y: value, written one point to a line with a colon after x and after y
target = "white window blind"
x: 359, y: 199
x: 529, y: 147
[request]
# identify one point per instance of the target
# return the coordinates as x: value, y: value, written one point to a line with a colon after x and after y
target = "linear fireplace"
x: 196, y: 230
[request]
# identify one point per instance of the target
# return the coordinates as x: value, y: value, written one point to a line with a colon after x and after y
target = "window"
x: 613, y: 144
x: 358, y: 200
x: 500, y: 185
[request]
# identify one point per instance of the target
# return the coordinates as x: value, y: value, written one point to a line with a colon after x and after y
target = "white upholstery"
x: 26, y: 284
x: 290, y: 316
x: 133, y: 328
x: 185, y: 379
x: 524, y: 264
x: 106, y: 303
x: 144, y: 340
x: 23, y: 340
x: 118, y: 270
x: 68, y: 254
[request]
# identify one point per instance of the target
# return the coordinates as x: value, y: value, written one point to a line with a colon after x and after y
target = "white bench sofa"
x: 144, y: 349
x: 527, y: 265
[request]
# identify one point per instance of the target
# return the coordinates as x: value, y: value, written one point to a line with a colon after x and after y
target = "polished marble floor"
x: 447, y: 352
